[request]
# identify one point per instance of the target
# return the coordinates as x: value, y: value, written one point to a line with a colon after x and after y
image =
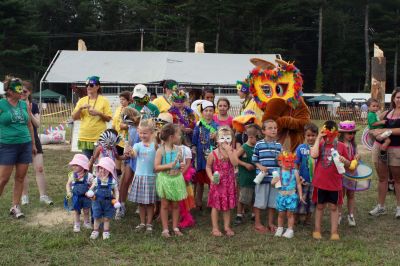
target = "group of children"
x: 268, y: 178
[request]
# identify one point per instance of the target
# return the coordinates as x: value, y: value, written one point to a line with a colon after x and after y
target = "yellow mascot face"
x: 268, y: 81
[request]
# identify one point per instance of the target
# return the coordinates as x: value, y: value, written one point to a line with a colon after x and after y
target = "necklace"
x: 184, y: 117
x: 290, y: 178
x: 94, y: 105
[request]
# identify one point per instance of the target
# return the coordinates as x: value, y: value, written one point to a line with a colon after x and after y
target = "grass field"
x: 45, y: 236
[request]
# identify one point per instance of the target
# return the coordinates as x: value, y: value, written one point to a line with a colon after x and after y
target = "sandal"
x: 140, y: 227
x: 149, y: 228
x: 177, y: 232
x: 216, y: 233
x: 272, y: 229
x: 229, y: 232
x: 165, y: 233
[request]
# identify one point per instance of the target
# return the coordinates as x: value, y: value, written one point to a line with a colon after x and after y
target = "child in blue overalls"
x: 287, y: 199
x: 104, y: 191
x: 78, y: 184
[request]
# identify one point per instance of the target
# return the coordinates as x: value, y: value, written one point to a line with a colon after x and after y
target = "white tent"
x: 1, y: 88
x: 150, y: 67
x: 348, y: 97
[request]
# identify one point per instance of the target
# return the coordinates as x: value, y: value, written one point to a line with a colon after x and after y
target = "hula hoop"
x: 366, y: 139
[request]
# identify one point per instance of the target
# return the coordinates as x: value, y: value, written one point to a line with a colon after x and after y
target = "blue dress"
x: 201, y: 140
x: 287, y: 199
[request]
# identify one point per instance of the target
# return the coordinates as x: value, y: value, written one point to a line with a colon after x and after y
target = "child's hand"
x: 194, y: 150
x: 173, y: 164
x: 274, y: 180
x: 249, y: 167
x: 263, y: 168
x: 225, y: 146
x: 302, y: 200
x: 69, y: 194
x: 357, y: 157
x: 342, y: 159
x: 182, y: 166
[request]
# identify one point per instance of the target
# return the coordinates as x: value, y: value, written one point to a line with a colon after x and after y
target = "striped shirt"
x: 266, y: 154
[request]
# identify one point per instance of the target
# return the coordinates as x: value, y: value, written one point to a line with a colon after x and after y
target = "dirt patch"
x: 51, y: 218
x: 63, y: 146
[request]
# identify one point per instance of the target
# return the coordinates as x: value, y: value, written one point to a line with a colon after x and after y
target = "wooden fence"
x: 54, y: 113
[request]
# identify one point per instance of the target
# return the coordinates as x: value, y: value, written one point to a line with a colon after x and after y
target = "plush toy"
x: 277, y: 91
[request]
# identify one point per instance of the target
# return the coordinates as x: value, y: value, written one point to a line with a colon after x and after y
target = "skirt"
x: 171, y: 187
x: 143, y: 190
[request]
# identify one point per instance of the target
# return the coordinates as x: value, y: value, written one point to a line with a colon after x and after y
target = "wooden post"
x: 378, y: 76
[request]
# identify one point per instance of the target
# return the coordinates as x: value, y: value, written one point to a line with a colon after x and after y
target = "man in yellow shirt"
x: 248, y: 103
x: 163, y: 103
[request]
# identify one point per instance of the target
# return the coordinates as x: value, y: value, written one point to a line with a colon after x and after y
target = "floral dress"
x: 222, y: 196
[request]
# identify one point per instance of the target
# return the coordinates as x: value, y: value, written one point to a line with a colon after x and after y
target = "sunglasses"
x: 25, y: 91
x: 351, y: 133
x: 91, y: 85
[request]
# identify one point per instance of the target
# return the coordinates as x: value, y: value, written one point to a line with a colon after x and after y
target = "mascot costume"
x: 277, y: 91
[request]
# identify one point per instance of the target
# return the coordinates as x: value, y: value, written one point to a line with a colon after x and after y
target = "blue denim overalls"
x: 102, y: 206
x: 79, y: 199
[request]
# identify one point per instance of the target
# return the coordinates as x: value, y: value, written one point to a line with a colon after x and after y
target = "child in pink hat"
x: 104, y: 191
x: 78, y: 184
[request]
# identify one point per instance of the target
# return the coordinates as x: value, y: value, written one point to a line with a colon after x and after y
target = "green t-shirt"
x: 149, y: 109
x: 372, y: 118
x: 246, y: 177
x: 14, y: 123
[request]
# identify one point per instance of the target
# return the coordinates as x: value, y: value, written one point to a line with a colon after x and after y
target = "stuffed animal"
x: 277, y: 91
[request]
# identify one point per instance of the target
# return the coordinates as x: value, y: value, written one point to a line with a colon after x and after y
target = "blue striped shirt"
x: 266, y: 154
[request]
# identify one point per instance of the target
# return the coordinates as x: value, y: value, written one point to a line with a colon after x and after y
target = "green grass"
x: 374, y: 241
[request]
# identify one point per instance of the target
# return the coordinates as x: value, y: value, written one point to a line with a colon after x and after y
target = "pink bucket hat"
x: 81, y: 160
x: 108, y: 164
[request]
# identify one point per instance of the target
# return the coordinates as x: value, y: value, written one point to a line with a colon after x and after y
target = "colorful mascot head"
x: 287, y: 159
x: 268, y: 81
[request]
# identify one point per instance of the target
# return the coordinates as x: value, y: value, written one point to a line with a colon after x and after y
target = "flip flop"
x: 216, y: 233
x: 229, y: 232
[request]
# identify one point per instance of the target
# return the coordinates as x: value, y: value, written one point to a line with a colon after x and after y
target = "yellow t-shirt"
x: 252, y: 106
x: 92, y: 126
x: 116, y: 124
x: 162, y: 104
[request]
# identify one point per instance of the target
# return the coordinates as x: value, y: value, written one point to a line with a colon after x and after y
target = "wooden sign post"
x: 378, y: 76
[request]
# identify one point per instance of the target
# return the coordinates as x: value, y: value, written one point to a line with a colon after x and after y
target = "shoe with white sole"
x: 77, y: 228
x: 106, y: 235
x: 397, y: 215
x: 24, y: 200
x: 279, y: 232
x: 87, y: 225
x: 94, y: 235
x: 16, y: 212
x: 351, y: 220
x: 46, y: 199
x: 289, y: 233
x: 378, y: 211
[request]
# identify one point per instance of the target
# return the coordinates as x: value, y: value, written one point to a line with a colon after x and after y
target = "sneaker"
x: 289, y: 233
x: 122, y: 210
x: 390, y: 186
x: 46, y: 199
x: 149, y: 228
x: 94, y: 235
x: 339, y: 219
x: 77, y: 228
x: 351, y: 220
x: 279, y: 232
x: 24, y: 200
x: 137, y: 210
x: 140, y: 227
x: 118, y: 214
x: 106, y: 235
x: 238, y: 220
x: 397, y: 215
x: 377, y: 211
x: 87, y: 225
x: 16, y: 212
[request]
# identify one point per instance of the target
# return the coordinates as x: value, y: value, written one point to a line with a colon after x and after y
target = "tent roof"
x: 48, y: 94
x: 324, y: 98
x: 1, y: 87
x: 151, y: 67
x: 347, y: 97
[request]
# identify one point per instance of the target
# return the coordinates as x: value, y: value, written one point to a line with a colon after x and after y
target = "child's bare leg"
x: 334, y: 218
x: 86, y: 218
x: 319, y: 210
x: 290, y: 217
x: 214, y: 222
x: 106, y: 224
x: 142, y: 213
x: 164, y: 213
x: 175, y: 214
x: 240, y: 208
x: 77, y: 218
x: 227, y: 220
x: 199, y: 195
x: 281, y: 219
x: 350, y: 201
x: 96, y: 224
x: 149, y: 213
x: 257, y: 220
x: 271, y: 213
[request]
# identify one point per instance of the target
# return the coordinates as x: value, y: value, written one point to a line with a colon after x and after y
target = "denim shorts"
x: 12, y: 154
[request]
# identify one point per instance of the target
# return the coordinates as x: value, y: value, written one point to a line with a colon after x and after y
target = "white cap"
x: 139, y: 91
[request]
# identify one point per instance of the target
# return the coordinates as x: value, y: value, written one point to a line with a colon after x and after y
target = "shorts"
x: 102, y: 209
x: 265, y: 196
x: 287, y: 202
x: 246, y: 195
x: 322, y: 196
x: 307, y: 195
x: 38, y: 145
x: 12, y: 154
x: 393, y: 154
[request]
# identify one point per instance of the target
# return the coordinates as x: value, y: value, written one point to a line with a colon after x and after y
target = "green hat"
x: 93, y: 80
x: 16, y: 85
